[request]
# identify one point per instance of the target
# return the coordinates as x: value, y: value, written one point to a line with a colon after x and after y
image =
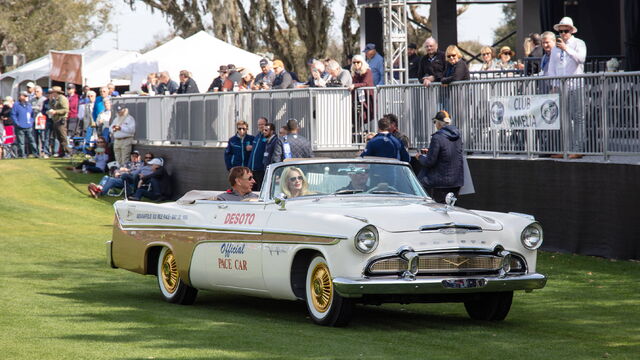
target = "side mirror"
x: 281, y: 200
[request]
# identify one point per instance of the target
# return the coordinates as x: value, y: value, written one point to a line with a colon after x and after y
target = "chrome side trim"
x: 354, y: 288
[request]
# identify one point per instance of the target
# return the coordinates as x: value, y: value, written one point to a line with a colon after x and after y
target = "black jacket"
x: 165, y: 182
x: 456, y: 72
x: 432, y: 66
x: 188, y: 87
x: 441, y: 167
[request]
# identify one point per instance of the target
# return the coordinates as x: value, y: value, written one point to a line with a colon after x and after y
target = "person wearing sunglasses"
x: 239, y: 147
x: 567, y: 59
x: 488, y: 59
x: 293, y: 183
x: 456, y: 68
x: 241, y: 181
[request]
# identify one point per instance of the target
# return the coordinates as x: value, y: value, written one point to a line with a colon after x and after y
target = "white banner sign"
x: 540, y: 112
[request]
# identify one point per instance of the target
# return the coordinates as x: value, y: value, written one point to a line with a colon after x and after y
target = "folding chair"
x: 7, y: 139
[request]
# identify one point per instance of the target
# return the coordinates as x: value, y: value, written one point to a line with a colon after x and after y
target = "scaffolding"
x: 394, y: 15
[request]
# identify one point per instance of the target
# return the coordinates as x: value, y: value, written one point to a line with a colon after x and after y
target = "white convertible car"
x: 332, y: 233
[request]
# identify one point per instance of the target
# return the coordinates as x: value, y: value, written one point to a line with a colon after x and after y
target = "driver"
x: 359, y: 175
x: 294, y: 183
x: 241, y: 181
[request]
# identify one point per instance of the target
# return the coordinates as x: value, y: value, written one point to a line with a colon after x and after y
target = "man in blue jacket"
x: 384, y: 144
x: 22, y: 116
x: 442, y: 169
x: 257, y: 154
x: 238, y: 148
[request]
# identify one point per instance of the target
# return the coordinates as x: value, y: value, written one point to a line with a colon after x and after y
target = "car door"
x: 233, y: 256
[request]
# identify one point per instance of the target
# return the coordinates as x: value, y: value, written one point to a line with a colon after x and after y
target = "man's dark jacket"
x: 188, y: 87
x: 433, y: 66
x: 442, y: 165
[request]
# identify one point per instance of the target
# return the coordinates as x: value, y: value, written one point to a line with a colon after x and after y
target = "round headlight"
x: 532, y: 236
x: 366, y: 240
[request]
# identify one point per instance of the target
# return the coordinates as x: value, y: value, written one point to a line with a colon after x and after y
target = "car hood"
x: 401, y: 215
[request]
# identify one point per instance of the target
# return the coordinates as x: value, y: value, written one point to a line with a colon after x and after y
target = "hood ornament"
x: 450, y: 200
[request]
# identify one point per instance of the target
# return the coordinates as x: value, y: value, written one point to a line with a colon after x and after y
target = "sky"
x: 135, y: 30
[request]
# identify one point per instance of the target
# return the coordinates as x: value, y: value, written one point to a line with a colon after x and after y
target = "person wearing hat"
x: 376, y: 63
x: 569, y: 55
x: 22, y: 116
x: 122, y: 129
x: 414, y: 60
x: 283, y: 79
x: 73, y: 125
x: 266, y: 76
x: 216, y: 84
x: 187, y: 84
x: 567, y: 59
x: 505, y: 61
x: 31, y: 90
x: 441, y: 165
x: 159, y: 185
x: 58, y: 112
x: 116, y: 181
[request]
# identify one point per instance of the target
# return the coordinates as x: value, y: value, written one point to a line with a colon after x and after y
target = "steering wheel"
x: 384, y: 187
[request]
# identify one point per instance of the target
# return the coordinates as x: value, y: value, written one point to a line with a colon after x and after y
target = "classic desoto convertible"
x: 332, y: 233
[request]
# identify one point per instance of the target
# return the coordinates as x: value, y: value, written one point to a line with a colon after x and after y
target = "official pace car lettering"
x: 227, y: 250
x: 153, y: 216
x: 240, y: 218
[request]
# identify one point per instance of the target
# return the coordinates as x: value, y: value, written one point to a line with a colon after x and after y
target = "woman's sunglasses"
x: 294, y: 178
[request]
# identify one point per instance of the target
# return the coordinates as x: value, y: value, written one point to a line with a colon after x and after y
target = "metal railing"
x: 599, y: 114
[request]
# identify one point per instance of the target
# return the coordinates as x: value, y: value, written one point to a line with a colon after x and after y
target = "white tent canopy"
x: 201, y: 54
x: 165, y: 56
x: 96, y: 72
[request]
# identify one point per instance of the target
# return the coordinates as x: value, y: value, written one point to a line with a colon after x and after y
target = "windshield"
x: 344, y: 179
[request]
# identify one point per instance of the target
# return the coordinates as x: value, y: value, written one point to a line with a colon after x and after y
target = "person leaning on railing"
x: 432, y: 65
x: 457, y: 68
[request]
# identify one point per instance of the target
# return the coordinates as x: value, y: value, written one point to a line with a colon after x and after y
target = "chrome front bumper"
x: 437, y: 285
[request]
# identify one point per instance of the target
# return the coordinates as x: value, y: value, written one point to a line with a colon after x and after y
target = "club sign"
x: 539, y: 112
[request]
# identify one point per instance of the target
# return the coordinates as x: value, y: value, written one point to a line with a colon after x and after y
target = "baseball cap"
x: 264, y: 62
x: 71, y: 86
x: 120, y: 108
x: 412, y: 46
x: 278, y: 63
x: 30, y: 84
x: 155, y: 161
x: 369, y: 46
x: 136, y: 152
x: 443, y: 116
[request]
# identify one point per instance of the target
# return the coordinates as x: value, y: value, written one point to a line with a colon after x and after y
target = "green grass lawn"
x: 59, y: 300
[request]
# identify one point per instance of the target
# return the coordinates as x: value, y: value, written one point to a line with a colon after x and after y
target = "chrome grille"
x: 445, y: 263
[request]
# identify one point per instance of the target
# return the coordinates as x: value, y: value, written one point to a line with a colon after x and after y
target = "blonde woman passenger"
x: 293, y: 183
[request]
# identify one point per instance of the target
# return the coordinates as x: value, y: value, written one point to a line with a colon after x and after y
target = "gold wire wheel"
x: 169, y: 274
x: 321, y: 287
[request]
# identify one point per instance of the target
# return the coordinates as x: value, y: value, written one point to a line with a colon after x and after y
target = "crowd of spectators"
x: 53, y: 123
